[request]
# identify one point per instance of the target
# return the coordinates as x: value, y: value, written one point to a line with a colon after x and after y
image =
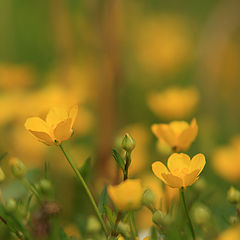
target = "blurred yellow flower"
x: 182, y: 171
x: 163, y: 43
x: 127, y: 195
x: 226, y: 160
x: 174, y: 103
x: 72, y: 231
x: 177, y: 134
x: 56, y: 128
x: 232, y: 233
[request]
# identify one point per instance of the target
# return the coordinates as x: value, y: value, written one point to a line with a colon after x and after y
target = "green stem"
x: 31, y: 188
x: 80, y: 178
x: 132, y: 225
x: 186, y: 212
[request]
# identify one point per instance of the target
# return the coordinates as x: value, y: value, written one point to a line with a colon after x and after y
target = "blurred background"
x: 128, y: 64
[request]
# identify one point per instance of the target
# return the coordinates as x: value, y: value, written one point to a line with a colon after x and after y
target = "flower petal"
x: 188, y: 135
x: 163, y: 131
x: 158, y: 169
x: 197, y: 162
x: 73, y: 113
x: 173, y: 181
x: 37, y: 127
x: 178, y: 161
x: 63, y: 130
x: 56, y: 115
x: 190, y: 178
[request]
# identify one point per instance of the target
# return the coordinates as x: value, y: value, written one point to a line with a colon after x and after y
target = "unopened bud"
x: 233, y: 195
x: 161, y: 219
x: 128, y: 143
x: 233, y: 219
x: 18, y: 168
x: 45, y: 185
x: 201, y: 214
x: 93, y: 224
x: 2, y: 175
x: 148, y: 198
x: 11, y: 205
x: 124, y: 229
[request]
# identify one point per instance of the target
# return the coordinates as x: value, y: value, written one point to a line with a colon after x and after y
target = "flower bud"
x: 18, y: 168
x: 201, y: 214
x: 233, y: 195
x: 233, y: 219
x: 124, y: 229
x: 2, y: 175
x: 93, y: 224
x: 11, y: 205
x: 161, y: 219
x: 148, y: 198
x: 45, y: 185
x: 128, y: 143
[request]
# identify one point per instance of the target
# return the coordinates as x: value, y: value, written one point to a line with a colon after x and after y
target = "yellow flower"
x: 174, y: 103
x: 182, y: 171
x: 226, y: 160
x: 232, y: 233
x: 127, y: 195
x: 177, y: 134
x: 56, y: 128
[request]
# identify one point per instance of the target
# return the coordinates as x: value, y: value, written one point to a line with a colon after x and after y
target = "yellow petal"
x: 178, y: 161
x: 188, y: 135
x: 190, y: 178
x: 37, y: 127
x: 56, y: 115
x: 197, y: 162
x: 178, y: 127
x: 173, y: 181
x: 158, y: 169
x: 63, y: 131
x: 73, y: 113
x: 163, y: 131
x: 42, y: 137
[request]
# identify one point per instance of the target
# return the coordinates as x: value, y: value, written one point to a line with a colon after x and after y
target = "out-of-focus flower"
x: 72, y: 231
x: 182, y: 171
x: 177, y: 134
x: 163, y: 43
x: 15, y: 77
x: 226, y: 160
x: 232, y: 233
x: 201, y: 214
x: 56, y: 128
x: 127, y: 195
x: 174, y: 103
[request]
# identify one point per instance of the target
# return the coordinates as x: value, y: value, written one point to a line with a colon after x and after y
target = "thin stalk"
x: 31, y: 188
x: 186, y: 212
x: 90, y: 196
x: 132, y: 225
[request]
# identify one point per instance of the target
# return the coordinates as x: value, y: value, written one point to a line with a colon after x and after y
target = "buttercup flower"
x: 174, y: 102
x: 56, y: 128
x: 177, y: 134
x: 127, y: 195
x: 181, y: 171
x: 232, y: 233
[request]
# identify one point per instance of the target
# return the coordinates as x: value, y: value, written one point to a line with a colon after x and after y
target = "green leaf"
x: 103, y: 200
x: 111, y: 216
x: 119, y: 160
x: 85, y: 169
